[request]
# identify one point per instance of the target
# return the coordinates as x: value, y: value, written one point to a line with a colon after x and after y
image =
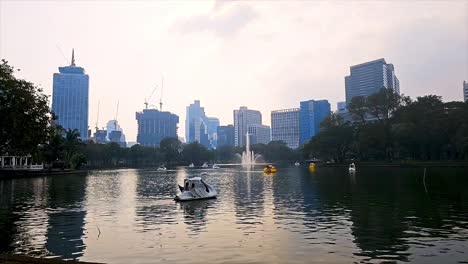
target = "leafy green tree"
x: 25, y: 117
x: 226, y: 154
x: 196, y: 153
x: 71, y: 143
x: 171, y: 149
x: 333, y: 142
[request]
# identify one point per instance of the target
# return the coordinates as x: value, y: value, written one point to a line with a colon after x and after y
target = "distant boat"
x: 162, y: 168
x: 205, y: 165
x: 191, y: 165
x: 215, y: 166
x: 352, y: 167
x: 297, y: 164
x: 195, y: 189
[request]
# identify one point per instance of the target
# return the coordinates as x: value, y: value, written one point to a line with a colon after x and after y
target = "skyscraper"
x: 465, y: 91
x: 70, y: 98
x: 370, y: 77
x: 212, y: 131
x: 199, y: 127
x: 113, y: 125
x: 194, y: 114
x: 285, y: 126
x: 340, y: 106
x: 154, y: 126
x: 311, y: 114
x: 259, y: 134
x: 243, y: 118
x: 225, y: 135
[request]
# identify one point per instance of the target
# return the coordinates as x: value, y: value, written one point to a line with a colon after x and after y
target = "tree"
x: 25, y: 116
x: 171, y: 148
x: 196, y: 153
x: 332, y: 142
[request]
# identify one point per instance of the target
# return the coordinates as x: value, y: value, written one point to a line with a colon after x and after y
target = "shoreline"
x: 399, y: 164
x: 19, y: 259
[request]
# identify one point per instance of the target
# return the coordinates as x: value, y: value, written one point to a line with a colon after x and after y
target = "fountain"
x: 248, y: 157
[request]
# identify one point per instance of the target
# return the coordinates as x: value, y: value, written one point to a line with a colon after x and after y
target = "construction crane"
x: 97, y: 118
x: 149, y: 97
x: 160, y: 98
x: 115, y: 118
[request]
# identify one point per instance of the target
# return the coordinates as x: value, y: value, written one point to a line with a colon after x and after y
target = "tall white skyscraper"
x: 243, y: 118
x: 285, y: 126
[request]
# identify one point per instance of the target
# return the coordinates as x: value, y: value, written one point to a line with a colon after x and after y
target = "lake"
x: 294, y: 216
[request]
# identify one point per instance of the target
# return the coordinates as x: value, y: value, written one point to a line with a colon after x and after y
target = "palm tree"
x: 72, y: 141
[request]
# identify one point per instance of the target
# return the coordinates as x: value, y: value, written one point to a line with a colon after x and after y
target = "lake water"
x: 329, y: 216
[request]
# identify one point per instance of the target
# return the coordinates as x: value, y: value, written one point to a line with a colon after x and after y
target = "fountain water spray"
x: 248, y: 157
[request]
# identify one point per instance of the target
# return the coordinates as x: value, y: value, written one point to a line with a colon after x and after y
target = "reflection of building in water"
x: 249, y: 198
x: 65, y: 232
x: 151, y: 214
x: 195, y: 214
x: 23, y: 220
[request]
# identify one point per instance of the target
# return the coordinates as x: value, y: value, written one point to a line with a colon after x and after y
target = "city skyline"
x: 221, y: 53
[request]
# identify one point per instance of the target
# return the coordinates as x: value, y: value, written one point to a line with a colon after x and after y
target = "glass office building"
x: 311, y: 114
x: 70, y: 98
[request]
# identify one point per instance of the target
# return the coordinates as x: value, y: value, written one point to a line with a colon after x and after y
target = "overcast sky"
x: 265, y: 55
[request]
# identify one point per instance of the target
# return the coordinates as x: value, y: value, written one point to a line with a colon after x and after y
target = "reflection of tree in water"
x: 389, y: 208
x: 249, y: 199
x: 42, y: 216
x: 15, y: 201
x: 66, y: 221
x: 195, y: 214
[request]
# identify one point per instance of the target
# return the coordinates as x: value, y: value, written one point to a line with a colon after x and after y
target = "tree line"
x: 27, y: 126
x: 383, y: 126
x: 387, y: 126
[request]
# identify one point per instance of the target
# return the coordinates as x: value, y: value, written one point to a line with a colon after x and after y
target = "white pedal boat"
x: 205, y: 165
x: 195, y: 189
x: 162, y: 168
x: 352, y: 167
x: 215, y: 166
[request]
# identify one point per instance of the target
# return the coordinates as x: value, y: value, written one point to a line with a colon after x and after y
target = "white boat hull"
x: 183, y: 198
x: 195, y: 189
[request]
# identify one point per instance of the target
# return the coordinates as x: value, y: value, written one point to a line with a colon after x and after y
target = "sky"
x: 266, y: 55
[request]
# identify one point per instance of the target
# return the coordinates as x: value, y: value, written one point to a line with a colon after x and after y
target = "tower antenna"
x: 73, y: 58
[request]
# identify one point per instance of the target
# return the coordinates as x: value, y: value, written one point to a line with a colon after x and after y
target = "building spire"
x: 73, y: 58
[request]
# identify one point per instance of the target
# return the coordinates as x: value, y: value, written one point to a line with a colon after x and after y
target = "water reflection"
x: 375, y: 215
x: 195, y: 213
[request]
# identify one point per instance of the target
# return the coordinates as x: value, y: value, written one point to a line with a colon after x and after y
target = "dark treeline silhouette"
x: 387, y: 126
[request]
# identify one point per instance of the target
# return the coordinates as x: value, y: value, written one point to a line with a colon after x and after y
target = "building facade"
x: 195, y: 114
x: 369, y: 78
x: 243, y: 118
x: 70, y: 98
x: 212, y: 131
x: 311, y: 114
x: 154, y: 126
x: 259, y: 134
x: 340, y: 106
x: 465, y: 91
x: 225, y: 135
x: 113, y: 125
x: 285, y: 126
x: 199, y: 127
